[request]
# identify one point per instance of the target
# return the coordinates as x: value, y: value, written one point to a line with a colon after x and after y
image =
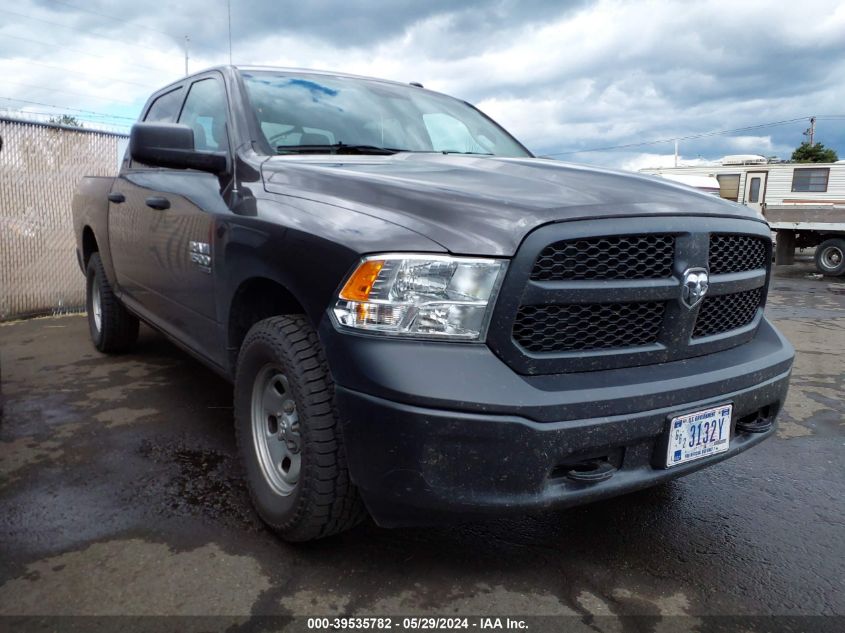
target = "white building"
x: 804, y: 203
x: 752, y: 180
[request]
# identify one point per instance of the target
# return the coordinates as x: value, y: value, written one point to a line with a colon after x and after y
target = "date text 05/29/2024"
x: 416, y: 623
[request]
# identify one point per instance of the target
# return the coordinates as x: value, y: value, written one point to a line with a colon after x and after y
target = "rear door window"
x: 165, y: 108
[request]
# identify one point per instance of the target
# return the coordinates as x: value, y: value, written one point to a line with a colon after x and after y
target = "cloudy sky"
x: 564, y: 77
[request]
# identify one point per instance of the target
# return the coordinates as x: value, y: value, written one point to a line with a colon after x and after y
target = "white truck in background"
x: 804, y: 203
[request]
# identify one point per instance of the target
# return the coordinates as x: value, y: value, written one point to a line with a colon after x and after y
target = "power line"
x: 70, y: 92
x: 23, y: 116
x: 65, y: 108
x: 702, y: 135
x: 110, y: 17
x: 64, y: 26
x: 77, y: 50
x: 681, y: 138
x: 84, y: 117
x: 79, y: 72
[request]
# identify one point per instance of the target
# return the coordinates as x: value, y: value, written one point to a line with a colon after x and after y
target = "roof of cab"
x: 310, y: 71
x: 313, y: 71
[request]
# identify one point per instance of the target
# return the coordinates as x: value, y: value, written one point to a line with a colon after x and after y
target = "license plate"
x: 700, y: 434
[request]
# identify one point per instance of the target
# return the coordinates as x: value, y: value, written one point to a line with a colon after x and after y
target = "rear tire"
x: 113, y: 328
x: 288, y: 432
x: 830, y: 257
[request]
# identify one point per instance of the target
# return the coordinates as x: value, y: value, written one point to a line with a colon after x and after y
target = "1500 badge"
x: 201, y: 255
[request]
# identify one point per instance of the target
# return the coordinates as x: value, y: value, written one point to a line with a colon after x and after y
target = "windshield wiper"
x: 336, y: 148
x: 454, y: 151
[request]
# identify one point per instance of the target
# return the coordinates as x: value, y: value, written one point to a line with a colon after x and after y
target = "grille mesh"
x: 736, y: 253
x: 614, y: 257
x: 576, y: 327
x: 727, y: 312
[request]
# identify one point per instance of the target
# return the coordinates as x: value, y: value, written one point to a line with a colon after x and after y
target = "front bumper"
x: 437, y: 432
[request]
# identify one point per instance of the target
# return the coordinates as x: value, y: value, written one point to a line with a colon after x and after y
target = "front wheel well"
x: 256, y: 299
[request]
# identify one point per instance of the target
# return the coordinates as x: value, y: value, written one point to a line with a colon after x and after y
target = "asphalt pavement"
x: 121, y: 494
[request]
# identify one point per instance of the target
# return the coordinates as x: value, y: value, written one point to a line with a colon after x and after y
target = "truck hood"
x: 482, y: 205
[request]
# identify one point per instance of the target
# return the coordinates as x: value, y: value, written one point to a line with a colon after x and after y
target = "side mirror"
x: 172, y: 145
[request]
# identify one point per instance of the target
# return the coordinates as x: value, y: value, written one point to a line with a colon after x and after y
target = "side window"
x: 810, y: 179
x: 729, y: 186
x: 205, y: 112
x: 165, y: 108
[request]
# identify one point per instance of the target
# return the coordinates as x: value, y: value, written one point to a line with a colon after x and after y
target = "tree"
x: 815, y: 153
x: 66, y: 119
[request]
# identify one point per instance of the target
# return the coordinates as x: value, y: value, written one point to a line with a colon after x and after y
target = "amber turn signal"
x: 360, y: 283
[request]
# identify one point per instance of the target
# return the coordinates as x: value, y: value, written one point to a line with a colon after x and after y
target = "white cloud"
x: 751, y: 144
x: 608, y: 73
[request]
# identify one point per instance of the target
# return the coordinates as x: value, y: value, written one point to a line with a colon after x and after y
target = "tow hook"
x: 591, y: 471
x: 757, y: 425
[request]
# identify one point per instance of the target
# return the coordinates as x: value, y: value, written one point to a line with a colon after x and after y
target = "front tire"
x: 288, y: 433
x: 113, y: 329
x: 830, y: 257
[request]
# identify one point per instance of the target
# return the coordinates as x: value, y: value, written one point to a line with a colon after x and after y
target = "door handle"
x: 158, y: 202
x: 116, y: 197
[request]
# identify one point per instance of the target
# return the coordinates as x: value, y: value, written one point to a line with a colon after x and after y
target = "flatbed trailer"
x: 803, y: 202
x: 806, y: 226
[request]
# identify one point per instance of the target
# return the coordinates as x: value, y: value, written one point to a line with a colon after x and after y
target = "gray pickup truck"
x: 422, y: 321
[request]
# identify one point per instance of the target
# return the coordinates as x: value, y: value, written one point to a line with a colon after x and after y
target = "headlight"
x: 429, y: 296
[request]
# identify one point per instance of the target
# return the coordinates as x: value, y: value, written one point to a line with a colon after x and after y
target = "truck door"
x: 178, y: 212
x: 184, y: 209
x: 128, y: 217
x: 755, y: 189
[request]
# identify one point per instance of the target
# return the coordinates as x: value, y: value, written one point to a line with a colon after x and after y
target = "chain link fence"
x: 40, y: 167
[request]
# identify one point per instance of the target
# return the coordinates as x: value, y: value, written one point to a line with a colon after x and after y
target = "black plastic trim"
x: 471, y: 378
x: 692, y: 238
x: 417, y: 466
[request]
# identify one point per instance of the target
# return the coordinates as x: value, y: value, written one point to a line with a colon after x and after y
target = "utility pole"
x: 187, y: 40
x: 676, y: 152
x: 229, y: 11
x: 811, y: 131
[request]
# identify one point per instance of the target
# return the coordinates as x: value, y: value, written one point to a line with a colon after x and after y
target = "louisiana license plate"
x: 700, y: 434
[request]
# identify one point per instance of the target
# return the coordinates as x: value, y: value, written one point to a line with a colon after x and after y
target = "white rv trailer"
x: 804, y: 203
x: 707, y: 184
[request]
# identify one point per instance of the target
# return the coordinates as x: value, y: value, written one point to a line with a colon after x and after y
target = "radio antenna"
x: 229, y: 12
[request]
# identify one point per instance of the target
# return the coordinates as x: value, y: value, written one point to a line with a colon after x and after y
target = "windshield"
x: 303, y: 112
